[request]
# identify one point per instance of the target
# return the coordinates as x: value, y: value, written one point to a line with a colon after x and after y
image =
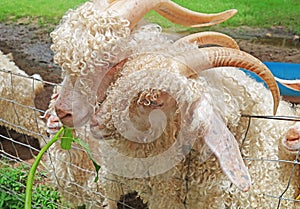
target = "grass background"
x: 253, y: 13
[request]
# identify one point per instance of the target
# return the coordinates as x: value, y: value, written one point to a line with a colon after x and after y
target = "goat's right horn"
x: 211, y: 57
x: 210, y: 38
x: 135, y: 10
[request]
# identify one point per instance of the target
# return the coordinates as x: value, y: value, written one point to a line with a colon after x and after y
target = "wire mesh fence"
x: 23, y: 133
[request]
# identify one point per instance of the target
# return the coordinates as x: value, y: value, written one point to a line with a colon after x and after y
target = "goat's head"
x: 151, y: 98
x: 90, y: 41
x: 170, y: 89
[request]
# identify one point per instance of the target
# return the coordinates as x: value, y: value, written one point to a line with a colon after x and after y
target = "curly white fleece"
x: 18, y: 91
x: 233, y: 94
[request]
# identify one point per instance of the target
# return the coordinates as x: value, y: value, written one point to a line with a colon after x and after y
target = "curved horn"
x: 183, y: 16
x: 135, y: 10
x: 206, y: 38
x: 221, y: 57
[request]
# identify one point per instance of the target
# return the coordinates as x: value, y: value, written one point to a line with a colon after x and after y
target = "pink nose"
x: 63, y: 103
x: 73, y: 108
x: 292, y: 135
x: 64, y: 112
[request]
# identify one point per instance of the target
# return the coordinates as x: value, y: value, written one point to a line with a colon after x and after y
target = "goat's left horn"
x: 210, y: 57
x: 135, y: 10
x: 210, y: 37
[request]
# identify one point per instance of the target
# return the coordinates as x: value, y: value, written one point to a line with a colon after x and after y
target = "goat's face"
x: 76, y: 97
x: 80, y: 95
x: 117, y: 19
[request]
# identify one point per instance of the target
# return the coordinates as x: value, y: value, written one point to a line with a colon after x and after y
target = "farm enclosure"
x: 29, y: 46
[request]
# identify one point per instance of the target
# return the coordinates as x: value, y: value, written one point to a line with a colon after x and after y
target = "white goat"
x: 142, y: 89
x: 216, y: 99
x: 95, y: 22
x: 161, y: 94
x: 17, y: 94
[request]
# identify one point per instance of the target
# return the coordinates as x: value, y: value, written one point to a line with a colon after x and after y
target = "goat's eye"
x: 97, y: 105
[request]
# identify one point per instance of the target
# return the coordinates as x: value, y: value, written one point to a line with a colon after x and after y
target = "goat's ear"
x: 223, y: 144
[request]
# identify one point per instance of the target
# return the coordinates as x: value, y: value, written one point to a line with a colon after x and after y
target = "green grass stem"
x: 30, y: 178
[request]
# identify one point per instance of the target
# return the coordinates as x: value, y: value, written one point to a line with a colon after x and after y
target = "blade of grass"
x: 67, y: 139
x: 66, y: 143
x: 30, y: 178
x: 88, y: 151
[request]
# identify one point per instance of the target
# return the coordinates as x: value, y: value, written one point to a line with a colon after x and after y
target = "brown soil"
x: 30, y: 47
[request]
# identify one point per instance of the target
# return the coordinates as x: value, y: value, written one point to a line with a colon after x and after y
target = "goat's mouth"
x: 74, y: 120
x: 292, y: 146
x: 53, y: 130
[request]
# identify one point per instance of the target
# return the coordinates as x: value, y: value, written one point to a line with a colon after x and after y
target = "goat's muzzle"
x: 72, y: 107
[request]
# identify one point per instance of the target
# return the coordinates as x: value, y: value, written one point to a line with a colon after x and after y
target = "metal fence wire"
x: 20, y: 144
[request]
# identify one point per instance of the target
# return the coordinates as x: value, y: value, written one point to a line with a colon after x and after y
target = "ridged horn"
x: 210, y: 57
x: 183, y: 16
x: 210, y: 38
x: 135, y: 10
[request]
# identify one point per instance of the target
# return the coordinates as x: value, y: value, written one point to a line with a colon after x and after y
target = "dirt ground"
x: 30, y: 47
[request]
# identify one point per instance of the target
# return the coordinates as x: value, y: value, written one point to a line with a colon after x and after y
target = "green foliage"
x: 253, y: 13
x: 41, y: 11
x: 66, y: 136
x: 12, y: 189
x: 67, y: 139
x: 45, y: 197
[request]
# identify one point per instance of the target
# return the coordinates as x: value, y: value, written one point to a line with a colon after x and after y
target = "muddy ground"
x: 30, y: 47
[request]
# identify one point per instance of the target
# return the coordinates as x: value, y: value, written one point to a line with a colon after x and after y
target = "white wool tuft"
x: 17, y: 92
